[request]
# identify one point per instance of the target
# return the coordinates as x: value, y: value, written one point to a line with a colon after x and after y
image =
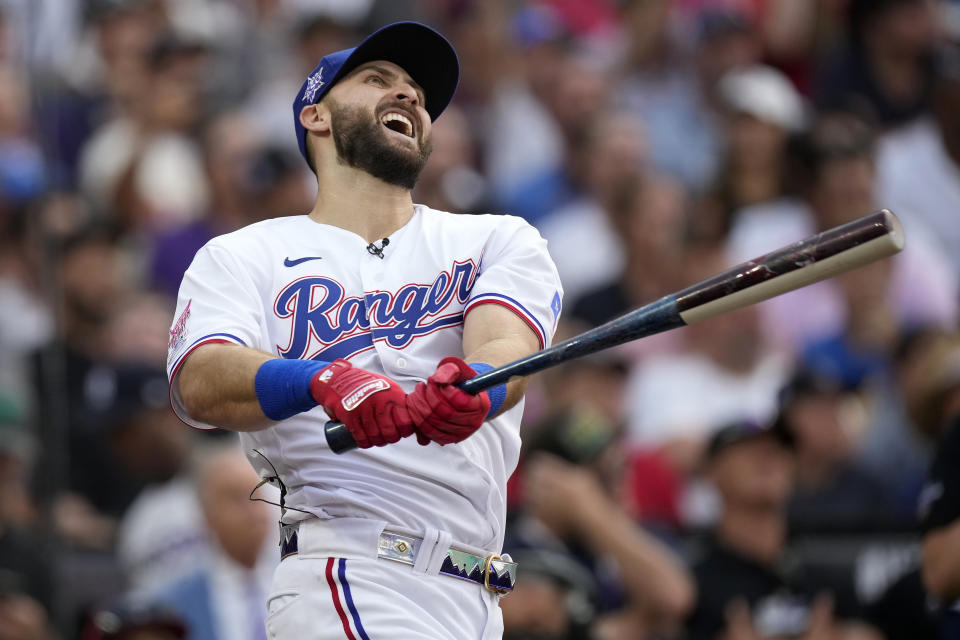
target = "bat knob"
x: 339, y: 438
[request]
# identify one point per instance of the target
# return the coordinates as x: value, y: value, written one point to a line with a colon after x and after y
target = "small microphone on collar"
x: 374, y: 250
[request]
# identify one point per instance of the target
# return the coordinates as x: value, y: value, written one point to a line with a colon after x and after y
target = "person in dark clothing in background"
x: 936, y: 412
x: 746, y: 585
x: 886, y: 70
x: 831, y: 489
x: 572, y: 474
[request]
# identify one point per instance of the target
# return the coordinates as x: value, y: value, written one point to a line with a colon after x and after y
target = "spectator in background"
x: 224, y: 598
x: 861, y: 316
x: 862, y: 350
x: 554, y: 598
x: 529, y: 142
x: 140, y: 330
x: 884, y: 72
x: 274, y: 185
x: 91, y: 284
x: 918, y: 166
x: 595, y: 381
x: 868, y: 354
x: 449, y: 181
x: 28, y: 591
x: 834, y: 166
x: 832, y: 491
x: 144, y: 169
x: 579, y: 96
x: 725, y: 364
x: 580, y: 236
x: 936, y: 411
x: 122, y: 438
x: 26, y: 322
x: 745, y: 586
x: 162, y: 537
x: 677, y: 104
x: 892, y: 439
x: 22, y: 170
x: 230, y: 144
x: 102, y: 79
x: 649, y: 217
x: 108, y: 433
x: 761, y: 111
x: 573, y: 476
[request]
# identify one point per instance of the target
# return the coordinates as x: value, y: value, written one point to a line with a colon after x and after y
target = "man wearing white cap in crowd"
x: 764, y: 110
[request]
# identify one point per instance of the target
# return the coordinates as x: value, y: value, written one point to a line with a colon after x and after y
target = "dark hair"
x: 946, y: 63
x: 577, y: 435
x: 744, y: 430
x: 719, y: 22
x: 861, y: 12
x: 913, y: 340
x: 169, y: 47
x: 838, y: 135
x: 94, y: 233
x: 317, y: 24
x: 268, y: 168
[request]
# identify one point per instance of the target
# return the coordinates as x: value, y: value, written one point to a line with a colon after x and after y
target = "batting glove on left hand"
x: 441, y: 411
x: 371, y: 406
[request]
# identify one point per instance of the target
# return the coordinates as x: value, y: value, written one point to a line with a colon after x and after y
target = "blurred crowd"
x: 789, y: 470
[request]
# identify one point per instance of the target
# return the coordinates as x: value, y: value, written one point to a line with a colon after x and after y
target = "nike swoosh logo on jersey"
x: 287, y: 262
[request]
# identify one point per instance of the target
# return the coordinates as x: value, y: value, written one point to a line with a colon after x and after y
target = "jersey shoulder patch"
x: 178, y: 332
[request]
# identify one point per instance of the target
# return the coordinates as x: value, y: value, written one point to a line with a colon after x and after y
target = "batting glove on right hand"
x: 371, y: 406
x: 441, y: 411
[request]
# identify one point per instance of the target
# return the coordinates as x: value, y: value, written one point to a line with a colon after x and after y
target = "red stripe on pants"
x: 336, y: 600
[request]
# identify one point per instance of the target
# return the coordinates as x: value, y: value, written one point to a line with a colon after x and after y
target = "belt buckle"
x: 487, y: 564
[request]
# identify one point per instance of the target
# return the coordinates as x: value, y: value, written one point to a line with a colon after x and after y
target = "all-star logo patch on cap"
x: 419, y: 50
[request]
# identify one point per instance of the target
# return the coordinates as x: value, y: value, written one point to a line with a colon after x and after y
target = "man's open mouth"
x: 398, y: 122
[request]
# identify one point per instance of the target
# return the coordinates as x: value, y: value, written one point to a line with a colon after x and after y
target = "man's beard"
x: 362, y: 144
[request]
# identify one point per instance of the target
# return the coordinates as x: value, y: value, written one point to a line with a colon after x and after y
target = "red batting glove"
x: 372, y: 407
x: 441, y: 411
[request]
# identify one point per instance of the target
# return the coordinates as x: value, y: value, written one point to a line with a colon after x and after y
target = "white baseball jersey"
x: 299, y: 289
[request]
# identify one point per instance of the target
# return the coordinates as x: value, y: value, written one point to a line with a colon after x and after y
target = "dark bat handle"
x: 339, y: 438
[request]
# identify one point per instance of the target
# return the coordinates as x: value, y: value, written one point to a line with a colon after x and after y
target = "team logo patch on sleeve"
x: 555, y: 306
x: 178, y: 332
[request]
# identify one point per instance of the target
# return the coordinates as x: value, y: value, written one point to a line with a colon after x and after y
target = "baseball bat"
x: 821, y: 256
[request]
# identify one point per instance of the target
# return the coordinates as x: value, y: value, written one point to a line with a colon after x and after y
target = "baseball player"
x: 369, y: 309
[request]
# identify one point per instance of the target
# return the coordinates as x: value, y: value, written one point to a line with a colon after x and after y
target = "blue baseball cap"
x: 418, y: 49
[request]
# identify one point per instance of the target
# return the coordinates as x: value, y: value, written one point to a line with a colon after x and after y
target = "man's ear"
x: 316, y: 118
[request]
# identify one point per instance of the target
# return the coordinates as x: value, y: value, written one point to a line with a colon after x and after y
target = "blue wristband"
x: 283, y: 386
x: 497, y: 394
